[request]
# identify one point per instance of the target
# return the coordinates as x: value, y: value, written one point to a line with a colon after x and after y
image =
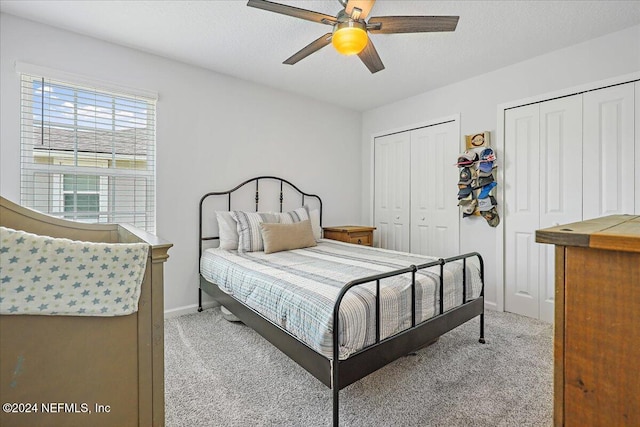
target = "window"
x: 81, y: 197
x: 87, y: 154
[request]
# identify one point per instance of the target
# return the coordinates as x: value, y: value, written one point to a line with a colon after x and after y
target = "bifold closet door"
x: 560, y: 183
x: 391, y: 193
x: 522, y: 209
x: 609, y: 172
x: 434, y: 211
x: 543, y: 181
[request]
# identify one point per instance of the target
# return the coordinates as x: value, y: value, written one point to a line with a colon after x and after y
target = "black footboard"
x: 383, y: 352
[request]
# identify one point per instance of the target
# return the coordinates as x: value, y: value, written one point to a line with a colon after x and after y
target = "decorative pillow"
x: 296, y: 215
x: 248, y: 226
x: 227, y: 230
x: 284, y: 237
x: 314, y: 216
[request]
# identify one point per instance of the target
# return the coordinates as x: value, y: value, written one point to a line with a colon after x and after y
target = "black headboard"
x: 266, y: 180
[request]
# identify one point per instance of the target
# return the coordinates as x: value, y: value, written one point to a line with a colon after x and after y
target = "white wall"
x: 213, y: 131
x: 477, y: 99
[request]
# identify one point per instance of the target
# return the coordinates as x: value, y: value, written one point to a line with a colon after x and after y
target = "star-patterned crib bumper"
x: 42, y: 275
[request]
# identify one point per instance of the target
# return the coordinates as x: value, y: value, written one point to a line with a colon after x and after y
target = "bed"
x: 69, y: 360
x: 341, y: 311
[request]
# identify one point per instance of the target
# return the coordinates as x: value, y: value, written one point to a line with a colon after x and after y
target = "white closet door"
x: 434, y: 210
x: 560, y: 183
x: 522, y: 207
x: 543, y: 178
x: 608, y: 146
x: 391, y: 197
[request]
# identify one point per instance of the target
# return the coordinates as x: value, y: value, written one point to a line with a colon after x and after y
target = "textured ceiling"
x: 248, y: 43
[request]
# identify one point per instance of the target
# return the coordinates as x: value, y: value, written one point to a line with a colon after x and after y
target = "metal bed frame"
x: 335, y: 373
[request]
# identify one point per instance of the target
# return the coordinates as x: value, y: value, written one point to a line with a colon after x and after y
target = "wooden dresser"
x: 597, y: 321
x: 351, y: 234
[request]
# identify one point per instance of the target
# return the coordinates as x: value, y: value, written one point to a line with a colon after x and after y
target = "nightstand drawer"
x: 351, y: 234
x: 361, y: 238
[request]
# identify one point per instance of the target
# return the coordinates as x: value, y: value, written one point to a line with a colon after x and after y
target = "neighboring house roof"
x: 129, y: 142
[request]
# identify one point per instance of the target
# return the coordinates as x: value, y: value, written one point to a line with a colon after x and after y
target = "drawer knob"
x: 359, y: 241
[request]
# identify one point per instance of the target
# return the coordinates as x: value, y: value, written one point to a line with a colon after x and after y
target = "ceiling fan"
x: 349, y: 35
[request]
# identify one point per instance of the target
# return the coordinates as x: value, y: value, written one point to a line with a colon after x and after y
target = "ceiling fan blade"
x: 364, y: 5
x: 312, y: 47
x: 293, y: 11
x: 412, y: 24
x: 370, y: 58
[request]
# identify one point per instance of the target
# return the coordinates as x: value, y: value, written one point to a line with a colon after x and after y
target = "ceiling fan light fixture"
x: 349, y: 37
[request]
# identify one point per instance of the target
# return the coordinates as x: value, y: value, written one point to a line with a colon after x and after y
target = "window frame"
x: 115, y: 170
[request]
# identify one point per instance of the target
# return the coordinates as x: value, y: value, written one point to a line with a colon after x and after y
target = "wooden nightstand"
x: 350, y: 234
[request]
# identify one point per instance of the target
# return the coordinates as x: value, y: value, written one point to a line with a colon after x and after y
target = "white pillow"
x: 227, y: 230
x: 314, y: 216
x: 248, y: 226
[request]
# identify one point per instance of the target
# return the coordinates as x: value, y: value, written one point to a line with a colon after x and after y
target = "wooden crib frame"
x: 76, y: 370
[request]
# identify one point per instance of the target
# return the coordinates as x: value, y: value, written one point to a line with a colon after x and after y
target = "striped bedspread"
x: 297, y: 290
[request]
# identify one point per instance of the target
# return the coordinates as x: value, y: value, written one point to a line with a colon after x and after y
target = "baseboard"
x: 188, y: 309
x: 490, y: 305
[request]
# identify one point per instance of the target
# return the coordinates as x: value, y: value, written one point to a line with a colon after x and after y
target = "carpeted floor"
x: 224, y: 374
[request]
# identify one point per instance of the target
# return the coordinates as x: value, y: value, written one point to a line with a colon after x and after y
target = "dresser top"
x: 614, y: 232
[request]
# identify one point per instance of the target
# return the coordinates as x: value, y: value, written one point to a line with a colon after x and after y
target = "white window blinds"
x: 87, y: 154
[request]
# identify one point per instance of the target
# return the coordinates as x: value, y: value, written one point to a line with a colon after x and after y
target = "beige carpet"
x: 224, y: 374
